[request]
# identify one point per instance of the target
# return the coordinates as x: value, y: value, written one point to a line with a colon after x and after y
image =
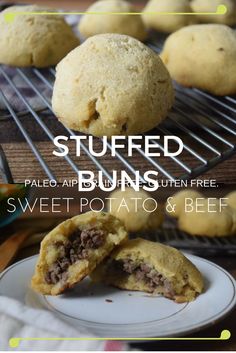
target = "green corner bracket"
x: 15, y: 341
x: 10, y: 16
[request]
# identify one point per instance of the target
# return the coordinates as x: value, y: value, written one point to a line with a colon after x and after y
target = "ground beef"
x: 92, y: 239
x: 76, y: 248
x: 144, y: 272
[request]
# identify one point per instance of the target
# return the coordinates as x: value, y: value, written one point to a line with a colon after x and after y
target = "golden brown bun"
x: 49, y: 251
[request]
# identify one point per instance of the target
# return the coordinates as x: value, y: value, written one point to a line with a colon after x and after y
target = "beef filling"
x: 76, y: 248
x: 144, y: 272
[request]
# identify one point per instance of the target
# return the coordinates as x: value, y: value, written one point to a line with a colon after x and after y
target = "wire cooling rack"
x: 205, y: 123
x: 199, y: 245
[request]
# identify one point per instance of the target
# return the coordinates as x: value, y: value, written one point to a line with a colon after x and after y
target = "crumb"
x: 130, y: 294
x: 109, y: 301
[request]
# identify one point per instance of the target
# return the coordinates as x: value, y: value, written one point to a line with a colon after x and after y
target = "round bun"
x: 200, y: 6
x: 135, y: 215
x: 112, y: 85
x: 167, y: 23
x: 34, y: 40
x: 231, y: 199
x: 176, y: 203
x: 131, y: 25
x: 57, y: 252
x: 219, y: 222
x: 185, y: 56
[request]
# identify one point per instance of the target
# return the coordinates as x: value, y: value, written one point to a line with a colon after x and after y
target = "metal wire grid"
x: 200, y: 117
x: 204, y: 246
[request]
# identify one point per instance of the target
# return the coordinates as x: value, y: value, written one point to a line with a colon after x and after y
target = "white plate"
x: 110, y: 312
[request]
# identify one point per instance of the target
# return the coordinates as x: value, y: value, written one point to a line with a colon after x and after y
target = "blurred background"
x: 69, y: 4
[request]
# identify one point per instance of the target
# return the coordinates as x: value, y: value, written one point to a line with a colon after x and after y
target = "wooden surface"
x: 24, y: 164
x: 229, y: 263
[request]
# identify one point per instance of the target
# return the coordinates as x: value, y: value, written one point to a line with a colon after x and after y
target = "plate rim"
x: 210, y: 321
